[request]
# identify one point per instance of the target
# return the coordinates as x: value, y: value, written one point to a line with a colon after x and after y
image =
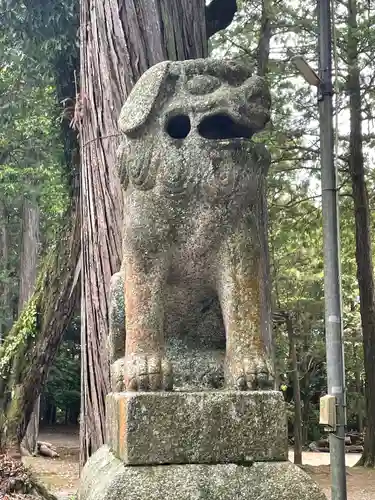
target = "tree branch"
x: 219, y: 15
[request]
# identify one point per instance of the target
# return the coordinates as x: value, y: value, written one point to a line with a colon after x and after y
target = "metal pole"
x: 332, y: 279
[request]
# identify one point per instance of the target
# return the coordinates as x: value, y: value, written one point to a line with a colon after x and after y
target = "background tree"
x: 28, y: 274
x: 365, y: 272
x: 33, y: 80
x: 293, y: 138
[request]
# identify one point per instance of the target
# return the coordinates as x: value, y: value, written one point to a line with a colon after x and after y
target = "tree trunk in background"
x: 358, y: 388
x: 29, y: 251
x: 119, y: 41
x: 365, y: 273
x: 296, y: 392
x: 30, y: 347
x: 263, y: 49
x: 5, y: 313
x: 28, y: 273
x: 305, y: 419
x: 263, y: 56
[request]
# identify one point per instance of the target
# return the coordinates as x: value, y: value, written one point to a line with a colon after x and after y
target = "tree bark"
x: 305, y: 418
x: 119, y: 41
x: 29, y: 251
x: 263, y: 49
x: 5, y: 313
x: 28, y: 274
x: 296, y: 392
x: 358, y: 388
x: 365, y: 273
x: 263, y: 55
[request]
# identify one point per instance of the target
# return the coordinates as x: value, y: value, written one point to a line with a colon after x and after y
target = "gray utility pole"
x: 331, y: 235
x: 333, y: 407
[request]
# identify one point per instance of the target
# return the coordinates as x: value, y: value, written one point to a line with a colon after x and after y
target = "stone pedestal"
x: 203, y: 445
x: 198, y: 427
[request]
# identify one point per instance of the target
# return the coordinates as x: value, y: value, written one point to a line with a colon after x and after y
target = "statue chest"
x: 207, y: 181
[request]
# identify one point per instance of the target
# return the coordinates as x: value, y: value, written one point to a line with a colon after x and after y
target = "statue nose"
x: 203, y: 84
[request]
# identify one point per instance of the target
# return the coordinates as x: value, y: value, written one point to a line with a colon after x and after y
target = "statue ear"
x: 141, y: 100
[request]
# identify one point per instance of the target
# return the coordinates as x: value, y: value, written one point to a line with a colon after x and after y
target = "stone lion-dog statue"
x: 194, y: 223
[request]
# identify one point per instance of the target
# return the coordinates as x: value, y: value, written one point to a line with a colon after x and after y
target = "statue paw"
x: 147, y: 373
x: 249, y: 373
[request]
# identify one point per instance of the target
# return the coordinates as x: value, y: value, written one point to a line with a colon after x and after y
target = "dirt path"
x: 61, y: 475
x: 360, y: 482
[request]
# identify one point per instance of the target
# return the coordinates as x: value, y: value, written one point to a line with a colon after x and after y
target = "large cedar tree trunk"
x: 28, y: 273
x: 365, y: 273
x: 119, y: 41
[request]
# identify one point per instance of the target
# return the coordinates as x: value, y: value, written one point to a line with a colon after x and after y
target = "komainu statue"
x: 194, y: 229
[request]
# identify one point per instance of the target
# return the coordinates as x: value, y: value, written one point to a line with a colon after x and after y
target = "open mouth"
x: 219, y: 126
x: 222, y: 126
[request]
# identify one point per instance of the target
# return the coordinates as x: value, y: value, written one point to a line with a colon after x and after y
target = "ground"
x: 360, y: 481
x: 61, y: 475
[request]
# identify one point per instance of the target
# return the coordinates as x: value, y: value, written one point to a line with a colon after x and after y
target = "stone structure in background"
x: 194, y: 232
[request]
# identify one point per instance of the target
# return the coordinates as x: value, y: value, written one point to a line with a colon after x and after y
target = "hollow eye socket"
x: 222, y: 126
x: 178, y: 126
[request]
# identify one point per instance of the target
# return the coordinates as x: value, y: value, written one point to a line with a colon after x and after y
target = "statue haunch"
x: 194, y: 220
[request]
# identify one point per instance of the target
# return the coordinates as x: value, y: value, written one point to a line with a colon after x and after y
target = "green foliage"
x: 295, y: 216
x: 24, y: 329
x: 31, y: 157
x: 30, y: 148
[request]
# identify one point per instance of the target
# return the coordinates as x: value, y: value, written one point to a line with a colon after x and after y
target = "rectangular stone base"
x: 104, y: 478
x: 199, y: 427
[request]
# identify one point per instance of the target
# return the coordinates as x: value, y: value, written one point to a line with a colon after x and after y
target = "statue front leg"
x: 145, y: 365
x: 247, y: 364
x: 116, y: 338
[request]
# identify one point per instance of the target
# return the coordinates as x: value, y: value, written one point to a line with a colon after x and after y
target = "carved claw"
x: 147, y: 373
x: 249, y: 374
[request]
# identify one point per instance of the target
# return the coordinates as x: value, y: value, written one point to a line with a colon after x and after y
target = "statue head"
x: 190, y: 110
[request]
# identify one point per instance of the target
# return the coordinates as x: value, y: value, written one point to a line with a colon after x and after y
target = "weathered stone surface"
x: 201, y: 427
x: 194, y: 234
x: 105, y: 477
